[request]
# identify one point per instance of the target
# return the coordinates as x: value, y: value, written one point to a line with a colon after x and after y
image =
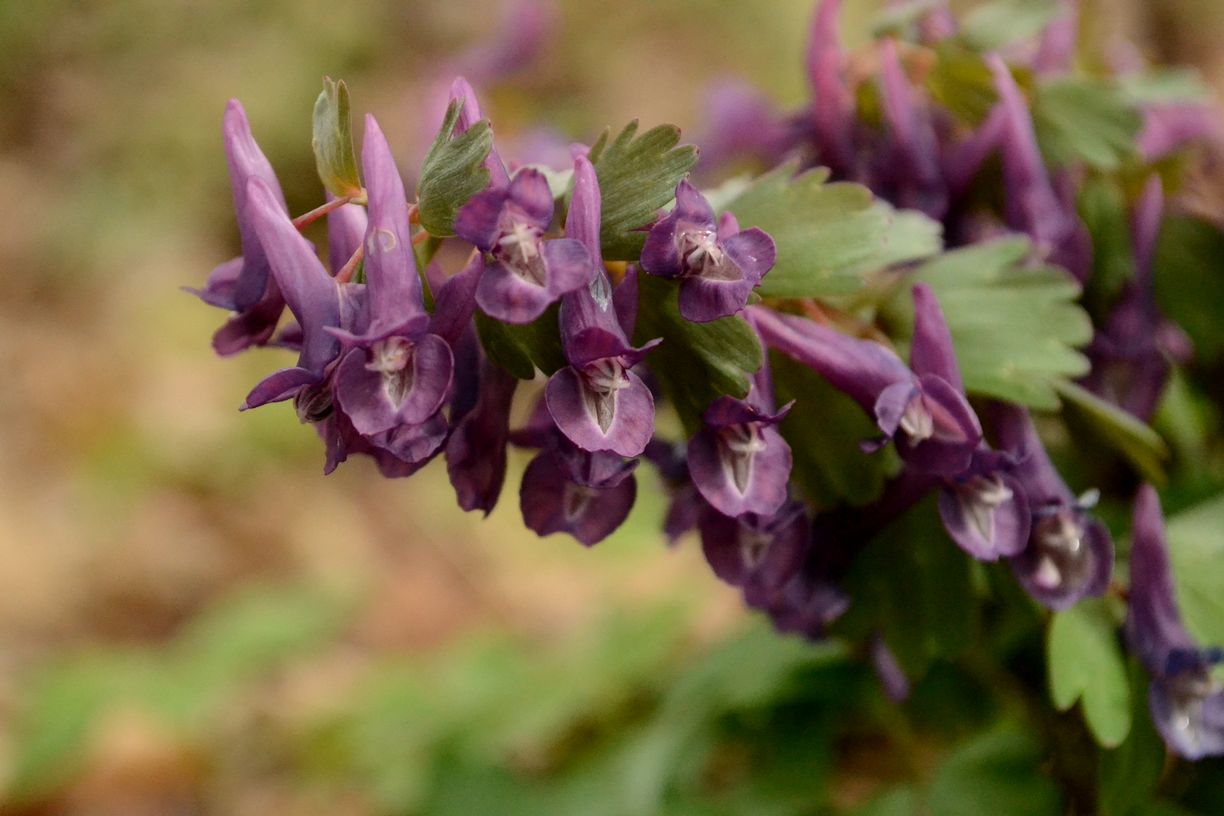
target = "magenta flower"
x: 597, y: 401
x: 717, y: 263
x: 1186, y: 702
x: 524, y: 273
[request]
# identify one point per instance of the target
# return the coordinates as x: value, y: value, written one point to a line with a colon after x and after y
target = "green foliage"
x: 993, y: 25
x: 913, y: 585
x: 825, y: 233
x: 333, y: 141
x: 997, y: 773
x: 1197, y: 552
x: 1190, y: 281
x: 962, y: 82
x: 1085, y: 664
x: 1102, y: 205
x: 1014, y: 326
x: 1128, y: 774
x: 637, y: 174
x: 696, y: 362
x: 1078, y: 119
x: 453, y: 171
x: 1117, y: 429
x: 824, y: 429
x: 521, y: 349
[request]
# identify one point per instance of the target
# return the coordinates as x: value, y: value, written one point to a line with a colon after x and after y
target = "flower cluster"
x: 403, y: 359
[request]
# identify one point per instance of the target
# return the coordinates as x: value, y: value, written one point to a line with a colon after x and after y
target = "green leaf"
x: 913, y: 584
x: 909, y: 236
x: 521, y: 349
x: 1102, y: 205
x: 453, y: 171
x: 897, y: 18
x: 824, y: 429
x: 1119, y: 430
x: 1190, y: 281
x: 1014, y: 326
x: 696, y: 362
x: 637, y: 174
x: 1196, y: 549
x: 1165, y: 85
x: 990, y: 26
x: 998, y: 774
x: 1084, y: 120
x: 895, y: 802
x: 1129, y: 774
x: 1084, y: 663
x: 826, y: 234
x: 961, y: 81
x: 333, y: 141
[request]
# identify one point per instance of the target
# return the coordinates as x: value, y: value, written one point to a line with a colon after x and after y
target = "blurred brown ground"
x: 132, y: 494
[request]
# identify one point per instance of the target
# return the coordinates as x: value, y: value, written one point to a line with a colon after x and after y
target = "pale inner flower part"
x: 518, y: 247
x: 602, y: 379
x: 392, y: 358
x: 702, y: 256
x: 980, y: 497
x: 738, y: 445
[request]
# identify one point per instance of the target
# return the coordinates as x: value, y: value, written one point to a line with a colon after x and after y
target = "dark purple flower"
x: 394, y: 372
x: 245, y: 284
x: 524, y: 273
x: 912, y: 170
x: 924, y: 410
x: 685, y: 505
x: 1069, y: 555
x: 1130, y: 353
x: 833, y: 108
x: 759, y: 553
x: 597, y: 401
x: 984, y: 509
x: 568, y: 490
x: 310, y: 292
x: 738, y: 460
x: 1187, y: 703
x: 741, y: 122
x: 476, y: 450
x: 717, y: 263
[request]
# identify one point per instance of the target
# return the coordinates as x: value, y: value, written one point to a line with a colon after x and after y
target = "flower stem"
x: 307, y: 218
x: 350, y: 266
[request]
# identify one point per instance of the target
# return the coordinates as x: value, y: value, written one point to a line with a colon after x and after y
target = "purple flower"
x: 1130, y: 354
x: 469, y: 115
x: 245, y: 284
x: 310, y: 292
x: 1056, y: 50
x: 393, y: 372
x: 892, y: 679
x: 685, y: 505
x: 985, y: 509
x: 832, y: 110
x: 738, y: 460
x: 346, y: 229
x: 758, y: 552
x: 717, y: 263
x: 523, y: 273
x: 476, y: 450
x: 1186, y: 702
x: 1069, y: 555
x: 924, y: 410
x: 596, y: 401
x: 912, y: 157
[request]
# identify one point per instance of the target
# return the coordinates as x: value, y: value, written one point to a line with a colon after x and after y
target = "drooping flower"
x: 476, y: 450
x: 1069, y: 555
x: 597, y: 401
x: 245, y: 284
x: 685, y: 504
x: 524, y: 273
x: 1186, y: 701
x: 911, y: 175
x: 832, y: 110
x: 985, y: 509
x: 394, y: 372
x: 717, y: 263
x: 311, y: 294
x: 933, y: 425
x: 759, y: 553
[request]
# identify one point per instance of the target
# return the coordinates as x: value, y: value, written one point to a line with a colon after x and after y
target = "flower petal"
x: 550, y: 503
x: 931, y: 350
x: 572, y: 406
x: 986, y: 531
x: 753, y: 251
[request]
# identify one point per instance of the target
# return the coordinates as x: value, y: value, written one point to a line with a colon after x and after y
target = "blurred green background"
x: 194, y: 620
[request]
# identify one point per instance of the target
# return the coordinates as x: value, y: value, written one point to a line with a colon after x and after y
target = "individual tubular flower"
x: 1130, y: 354
x: 717, y: 263
x: 346, y: 229
x: 1069, y: 555
x: 933, y: 425
x: 312, y: 296
x: 759, y: 553
x: 597, y: 401
x: 1186, y: 702
x: 469, y: 115
x: 912, y: 159
x: 245, y: 284
x: 738, y: 460
x: 476, y: 450
x: 832, y: 110
x: 524, y: 273
x: 394, y: 372
x: 685, y: 505
x: 1032, y: 205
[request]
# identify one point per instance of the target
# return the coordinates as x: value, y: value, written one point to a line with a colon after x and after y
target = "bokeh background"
x: 193, y: 619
